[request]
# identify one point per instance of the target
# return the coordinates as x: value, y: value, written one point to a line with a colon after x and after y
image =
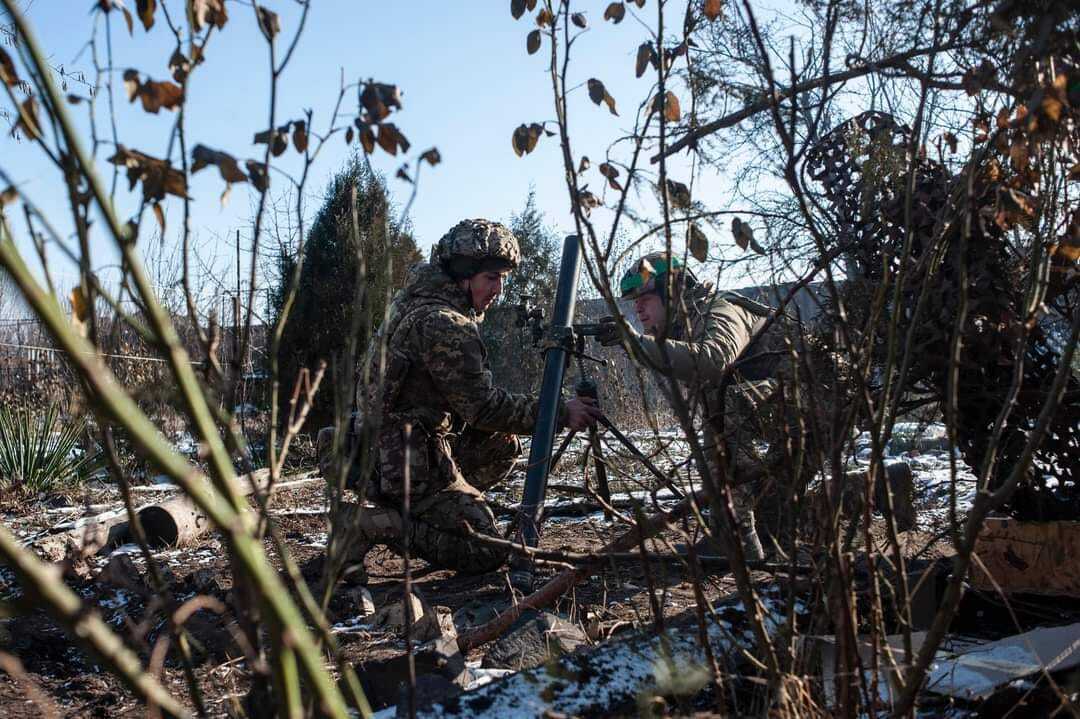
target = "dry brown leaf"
x: 299, y: 136
x: 678, y: 194
x: 367, y: 139
x: 146, y: 9
x: 744, y: 236
x: 615, y: 12
x: 517, y: 8
x: 28, y: 119
x: 80, y: 309
x: 697, y: 243
x: 598, y: 93
x: 712, y: 9
x: 519, y: 139
x: 431, y: 156
x: 379, y: 98
x: 269, y: 22
x: 579, y: 20
x: 7, y: 69
x: 202, y: 156
x: 207, y: 12
x: 349, y: 136
x: 277, y: 139
x: 258, y: 175
x: 8, y: 196
x: 532, y: 42
x: 159, y: 214
x: 584, y: 164
x: 645, y: 55
x: 544, y: 18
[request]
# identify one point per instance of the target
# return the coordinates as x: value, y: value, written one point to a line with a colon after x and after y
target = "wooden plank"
x: 1029, y: 557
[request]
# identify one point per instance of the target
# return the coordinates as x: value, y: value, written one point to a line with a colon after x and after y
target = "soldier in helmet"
x: 706, y: 336
x: 439, y: 409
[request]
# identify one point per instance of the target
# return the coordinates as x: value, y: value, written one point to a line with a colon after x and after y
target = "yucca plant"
x: 39, y: 453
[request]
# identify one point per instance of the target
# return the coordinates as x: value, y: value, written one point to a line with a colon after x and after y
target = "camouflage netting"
x: 862, y: 166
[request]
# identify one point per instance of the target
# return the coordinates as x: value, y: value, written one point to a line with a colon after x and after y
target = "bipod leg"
x: 640, y: 456
x: 601, y: 471
x: 562, y: 448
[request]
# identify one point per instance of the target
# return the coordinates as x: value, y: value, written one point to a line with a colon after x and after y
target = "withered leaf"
x: 179, y: 66
x: 258, y: 175
x: 131, y: 84
x: 378, y: 99
x: 8, y: 196
x: 645, y: 55
x: 28, y: 118
x: 390, y: 138
x: 157, y: 176
x: 579, y: 19
x: 207, y: 12
x: 598, y: 93
x: 146, y: 9
x: 744, y: 236
x: 532, y: 42
x: 74, y: 99
x: 7, y: 69
x: 520, y: 140
x: 639, y: 3
x: 517, y: 8
x: 1018, y: 153
x: 80, y: 309
x: 712, y: 10
x: 609, y: 171
x: 431, y: 156
x: 349, y: 135
x: 530, y: 4
x: 202, y: 156
x: 160, y: 94
x: 299, y: 136
x: 535, y: 130
x: 269, y: 22
x: 544, y: 17
x: 669, y: 105
x: 678, y: 194
x: 697, y: 243
x: 1051, y: 107
x: 615, y: 12
x: 403, y: 174
x: 277, y: 139
x: 159, y: 214
x: 584, y: 165
x: 950, y: 140
x: 128, y: 20
x: 367, y: 139
x: 587, y: 200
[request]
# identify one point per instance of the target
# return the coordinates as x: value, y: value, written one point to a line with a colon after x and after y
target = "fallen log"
x: 561, y: 583
x: 170, y: 523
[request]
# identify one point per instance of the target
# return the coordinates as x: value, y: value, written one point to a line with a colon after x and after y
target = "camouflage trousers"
x: 448, y: 476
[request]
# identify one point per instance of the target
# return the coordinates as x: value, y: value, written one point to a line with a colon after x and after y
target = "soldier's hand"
x: 609, y: 334
x: 582, y: 412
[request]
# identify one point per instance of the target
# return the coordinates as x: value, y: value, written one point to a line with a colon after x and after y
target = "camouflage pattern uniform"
x: 710, y: 332
x: 439, y: 401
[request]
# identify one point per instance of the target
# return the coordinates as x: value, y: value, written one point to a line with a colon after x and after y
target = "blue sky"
x: 466, y: 79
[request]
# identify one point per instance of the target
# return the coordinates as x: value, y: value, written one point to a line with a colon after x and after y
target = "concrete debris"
x: 392, y: 618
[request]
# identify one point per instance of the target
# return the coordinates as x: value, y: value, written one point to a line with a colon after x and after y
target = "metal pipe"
x: 536, y: 476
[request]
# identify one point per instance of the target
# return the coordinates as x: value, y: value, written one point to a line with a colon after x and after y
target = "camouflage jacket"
x: 713, y: 333
x: 437, y: 376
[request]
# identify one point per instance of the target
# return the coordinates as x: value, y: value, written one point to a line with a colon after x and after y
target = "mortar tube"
x: 536, y: 476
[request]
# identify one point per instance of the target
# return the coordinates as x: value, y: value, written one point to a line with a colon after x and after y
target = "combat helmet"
x: 473, y: 246
x: 649, y: 274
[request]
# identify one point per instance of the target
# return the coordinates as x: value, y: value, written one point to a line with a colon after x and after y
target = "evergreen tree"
x: 538, y: 273
x: 326, y: 300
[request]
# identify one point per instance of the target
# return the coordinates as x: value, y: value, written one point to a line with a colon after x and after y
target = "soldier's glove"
x: 609, y: 334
